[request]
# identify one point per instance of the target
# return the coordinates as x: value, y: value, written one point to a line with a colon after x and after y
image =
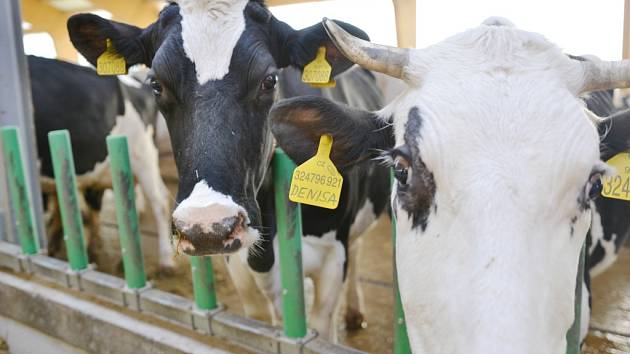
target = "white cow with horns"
x: 496, y: 162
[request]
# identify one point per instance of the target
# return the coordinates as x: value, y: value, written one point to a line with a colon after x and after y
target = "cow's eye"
x: 269, y: 82
x: 155, y: 86
x: 594, y: 185
x: 402, y: 170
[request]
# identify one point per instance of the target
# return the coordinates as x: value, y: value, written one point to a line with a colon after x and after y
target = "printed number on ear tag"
x: 618, y: 186
x: 317, y: 73
x: 317, y: 182
x: 110, y: 62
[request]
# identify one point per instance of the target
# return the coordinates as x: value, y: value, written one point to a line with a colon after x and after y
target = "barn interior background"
x: 402, y: 22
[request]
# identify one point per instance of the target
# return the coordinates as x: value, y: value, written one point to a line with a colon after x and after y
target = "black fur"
x: 219, y: 130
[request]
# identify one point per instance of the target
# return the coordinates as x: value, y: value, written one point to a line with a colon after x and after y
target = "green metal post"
x: 19, y: 190
x: 401, y: 339
x: 289, y: 233
x: 66, y: 184
x: 203, y: 283
x: 573, y: 336
x: 126, y: 215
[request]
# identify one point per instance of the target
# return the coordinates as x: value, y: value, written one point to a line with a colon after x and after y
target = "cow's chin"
x: 240, y: 238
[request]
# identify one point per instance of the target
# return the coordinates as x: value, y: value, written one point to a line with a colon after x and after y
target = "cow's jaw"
x: 210, y: 222
x: 492, y: 266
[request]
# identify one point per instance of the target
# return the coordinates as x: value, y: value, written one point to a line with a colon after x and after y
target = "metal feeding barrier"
x: 204, y: 314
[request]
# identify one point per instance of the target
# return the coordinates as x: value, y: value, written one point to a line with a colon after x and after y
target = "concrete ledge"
x: 167, y: 306
x: 105, y: 286
x: 252, y: 334
x: 88, y: 326
x: 202, y: 319
x: 320, y: 346
x: 91, y: 327
x: 9, y: 254
x: 295, y: 346
x: 132, y: 296
x: 50, y: 269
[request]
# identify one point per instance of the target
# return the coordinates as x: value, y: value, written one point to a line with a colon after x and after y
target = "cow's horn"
x: 605, y: 75
x: 381, y: 58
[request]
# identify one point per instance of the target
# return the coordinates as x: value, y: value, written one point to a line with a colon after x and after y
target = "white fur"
x: 205, y: 207
x: 130, y: 81
x: 597, y: 237
x: 255, y: 306
x: 597, y: 229
x: 510, y: 150
x: 210, y: 31
x: 323, y: 263
x: 610, y: 256
x: 363, y: 222
x: 323, y: 260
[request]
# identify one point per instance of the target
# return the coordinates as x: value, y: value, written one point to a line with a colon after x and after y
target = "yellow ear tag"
x: 618, y: 186
x: 317, y: 182
x: 329, y: 84
x: 317, y: 72
x: 110, y: 62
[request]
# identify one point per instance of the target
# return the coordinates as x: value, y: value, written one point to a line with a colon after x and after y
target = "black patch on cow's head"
x: 614, y: 132
x: 416, y: 195
x: 219, y: 129
x: 572, y: 225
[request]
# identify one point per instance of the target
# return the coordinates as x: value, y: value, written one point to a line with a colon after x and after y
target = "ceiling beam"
x: 288, y: 2
x: 626, y: 30
x: 405, y: 11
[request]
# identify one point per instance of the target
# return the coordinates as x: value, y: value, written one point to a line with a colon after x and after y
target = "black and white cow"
x: 214, y: 73
x: 90, y: 107
x: 610, y: 225
x: 497, y: 163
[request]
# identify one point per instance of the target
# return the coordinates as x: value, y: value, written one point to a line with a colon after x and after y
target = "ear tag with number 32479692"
x: 317, y: 182
x: 110, y: 62
x: 318, y: 72
x: 618, y: 186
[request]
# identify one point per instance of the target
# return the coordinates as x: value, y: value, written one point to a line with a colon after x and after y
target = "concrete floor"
x: 610, y: 323
x: 4, y: 347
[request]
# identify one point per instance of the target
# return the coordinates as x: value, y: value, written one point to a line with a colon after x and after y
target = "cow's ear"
x: 300, y: 47
x: 89, y: 34
x: 298, y: 123
x: 615, y: 134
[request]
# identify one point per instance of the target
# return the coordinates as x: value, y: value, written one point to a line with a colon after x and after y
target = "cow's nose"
x: 209, y: 222
x: 223, y: 236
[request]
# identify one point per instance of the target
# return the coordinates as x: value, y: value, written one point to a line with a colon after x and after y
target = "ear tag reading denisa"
x: 110, y: 62
x: 618, y: 186
x: 317, y: 182
x: 317, y: 73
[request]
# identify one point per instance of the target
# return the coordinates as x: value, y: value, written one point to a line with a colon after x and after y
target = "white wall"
x: 577, y: 26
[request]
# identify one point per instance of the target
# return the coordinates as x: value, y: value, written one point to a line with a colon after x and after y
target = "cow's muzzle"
x: 209, y: 222
x: 225, y: 236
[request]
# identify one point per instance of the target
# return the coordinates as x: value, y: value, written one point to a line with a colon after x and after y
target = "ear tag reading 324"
x: 618, y: 186
x: 110, y: 62
x: 317, y: 182
x: 317, y: 73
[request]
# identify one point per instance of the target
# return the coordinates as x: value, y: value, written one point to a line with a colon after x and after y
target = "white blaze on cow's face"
x: 496, y: 158
x: 210, y: 31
